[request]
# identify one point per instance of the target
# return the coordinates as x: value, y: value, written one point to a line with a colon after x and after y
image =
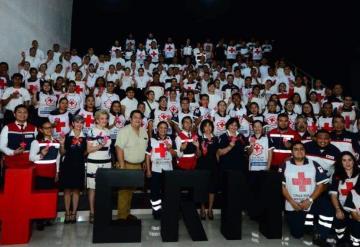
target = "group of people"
x: 214, y: 107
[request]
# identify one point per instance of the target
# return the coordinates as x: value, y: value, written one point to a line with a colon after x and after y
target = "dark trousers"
x: 156, y: 185
x: 318, y: 220
x: 354, y: 232
x: 341, y: 227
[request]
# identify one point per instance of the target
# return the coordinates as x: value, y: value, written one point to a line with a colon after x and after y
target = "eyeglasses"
x: 46, y: 128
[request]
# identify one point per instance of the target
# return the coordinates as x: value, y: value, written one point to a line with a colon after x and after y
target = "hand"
x: 295, y: 206
x: 305, y: 204
x: 62, y: 140
x: 183, y: 146
x: 44, y: 151
x: 196, y: 143
x: 122, y: 164
x: 148, y: 173
x: 56, y: 177
x: 18, y: 151
x: 287, y: 144
x: 339, y: 214
x: 15, y: 95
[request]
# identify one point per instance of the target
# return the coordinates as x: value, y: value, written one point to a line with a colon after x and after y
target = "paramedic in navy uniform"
x: 304, y: 184
x: 345, y: 178
x: 159, y: 156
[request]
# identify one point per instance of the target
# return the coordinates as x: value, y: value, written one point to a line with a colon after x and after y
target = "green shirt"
x: 133, y: 145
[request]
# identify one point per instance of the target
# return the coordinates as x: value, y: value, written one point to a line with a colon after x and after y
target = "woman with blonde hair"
x: 98, y: 148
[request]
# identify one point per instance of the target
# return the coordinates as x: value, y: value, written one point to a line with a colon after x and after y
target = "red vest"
x: 188, y: 160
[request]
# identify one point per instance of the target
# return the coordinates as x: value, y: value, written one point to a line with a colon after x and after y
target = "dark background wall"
x: 321, y: 38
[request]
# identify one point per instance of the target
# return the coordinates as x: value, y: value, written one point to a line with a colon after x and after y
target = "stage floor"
x: 80, y: 234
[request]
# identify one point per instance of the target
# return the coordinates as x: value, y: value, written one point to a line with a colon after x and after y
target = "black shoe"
x: 67, y: 219
x: 73, y: 218
x: 202, y: 215
x: 40, y: 226
x: 156, y: 215
x: 131, y: 217
x: 211, y: 215
x: 317, y: 240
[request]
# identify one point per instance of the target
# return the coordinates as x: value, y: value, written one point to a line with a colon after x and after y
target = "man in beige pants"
x: 131, y: 143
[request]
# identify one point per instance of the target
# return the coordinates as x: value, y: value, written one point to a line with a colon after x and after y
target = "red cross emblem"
x: 173, y: 109
x: 72, y: 103
x: 163, y: 117
x: 258, y: 149
x: 78, y: 89
x: 153, y: 53
x: 257, y: 51
x: 2, y: 84
x: 319, y: 97
x: 232, y: 50
x: 59, y: 125
x: 161, y: 150
x: 169, y: 48
x: 349, y: 187
x: 49, y: 101
x: 88, y: 120
x: 20, y: 203
x: 271, y: 120
x: 301, y: 181
x: 220, y: 125
x: 33, y: 88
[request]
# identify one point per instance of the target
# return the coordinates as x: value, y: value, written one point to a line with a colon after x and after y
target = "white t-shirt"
x: 302, y: 92
x: 130, y: 105
x: 141, y: 81
x: 106, y: 99
x: 23, y: 96
x: 213, y: 101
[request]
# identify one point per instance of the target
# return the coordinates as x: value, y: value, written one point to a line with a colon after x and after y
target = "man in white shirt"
x: 118, y: 58
x: 14, y: 96
x: 169, y: 50
x: 149, y: 40
x: 57, y: 53
x: 214, y: 98
x: 129, y: 103
x: 75, y: 58
x: 38, y: 52
x: 130, y: 41
x: 50, y: 62
x: 31, y: 58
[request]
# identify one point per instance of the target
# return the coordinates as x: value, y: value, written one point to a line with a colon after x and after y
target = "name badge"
x: 29, y: 136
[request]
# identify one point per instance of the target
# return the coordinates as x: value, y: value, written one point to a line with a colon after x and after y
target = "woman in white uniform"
x: 98, y: 148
